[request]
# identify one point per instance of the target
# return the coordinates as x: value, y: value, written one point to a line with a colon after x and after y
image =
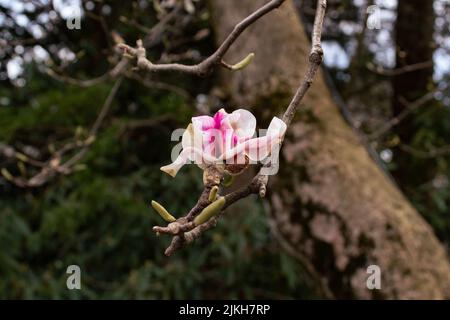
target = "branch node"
x: 316, y: 55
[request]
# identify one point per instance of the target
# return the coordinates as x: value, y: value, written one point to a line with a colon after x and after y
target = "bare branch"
x: 151, y: 84
x: 431, y: 153
x: 96, y: 126
x: 111, y: 74
x: 206, y: 66
x: 402, y: 70
x: 151, y: 39
x: 54, y: 165
x: 9, y: 152
x: 315, y: 59
x: 409, y: 108
x: 184, y: 231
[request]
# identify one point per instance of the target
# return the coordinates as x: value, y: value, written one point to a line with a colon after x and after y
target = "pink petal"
x: 203, y: 123
x: 213, y: 142
x: 218, y: 118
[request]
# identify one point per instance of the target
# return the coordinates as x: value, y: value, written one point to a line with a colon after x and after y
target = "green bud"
x: 243, y: 63
x: 22, y: 168
x: 210, y: 211
x: 162, y: 212
x: 213, y: 193
x: 21, y: 157
x: 79, y: 131
x: 8, y: 176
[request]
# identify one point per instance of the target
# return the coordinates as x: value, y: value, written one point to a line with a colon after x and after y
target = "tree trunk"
x: 414, y: 44
x: 331, y: 205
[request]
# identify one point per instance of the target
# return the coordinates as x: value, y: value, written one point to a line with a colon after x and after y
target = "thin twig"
x: 151, y: 84
x: 402, y: 70
x: 409, y: 108
x: 431, y: 153
x: 206, y: 66
x: 113, y: 73
x: 54, y: 165
x: 315, y: 59
x: 98, y: 122
x: 9, y: 152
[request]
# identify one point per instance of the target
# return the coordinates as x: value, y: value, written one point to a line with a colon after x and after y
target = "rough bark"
x: 331, y: 205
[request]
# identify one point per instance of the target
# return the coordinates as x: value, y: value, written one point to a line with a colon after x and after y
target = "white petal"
x: 172, y: 169
x: 191, y: 138
x: 277, y: 127
x: 256, y: 149
x: 188, y: 137
x: 188, y: 153
x: 259, y: 148
x: 243, y: 122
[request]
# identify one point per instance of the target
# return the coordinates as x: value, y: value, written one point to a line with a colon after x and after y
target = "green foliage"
x: 103, y: 224
x: 51, y: 108
x: 430, y: 192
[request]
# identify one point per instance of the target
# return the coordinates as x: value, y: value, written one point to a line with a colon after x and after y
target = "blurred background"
x: 61, y: 84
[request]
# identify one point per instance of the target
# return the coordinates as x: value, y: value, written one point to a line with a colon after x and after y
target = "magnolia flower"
x: 226, y: 140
